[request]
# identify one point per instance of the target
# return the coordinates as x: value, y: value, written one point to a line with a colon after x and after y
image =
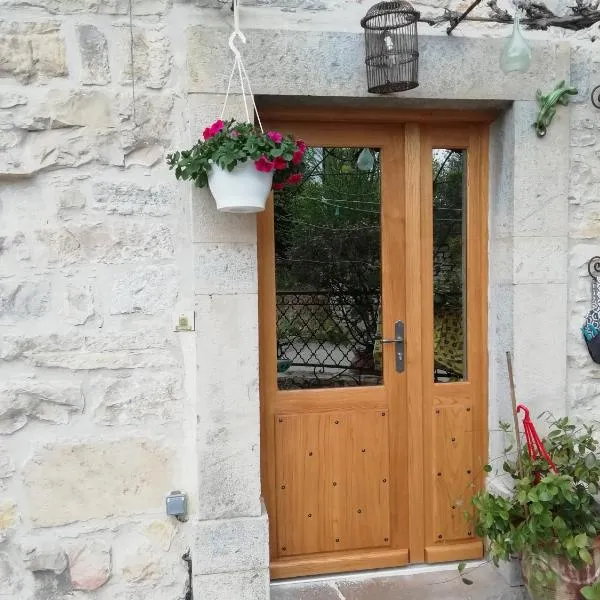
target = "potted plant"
x: 550, y: 519
x: 240, y: 164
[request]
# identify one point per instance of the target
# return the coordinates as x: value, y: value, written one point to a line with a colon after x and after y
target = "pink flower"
x: 263, y: 164
x: 301, y: 146
x: 275, y: 136
x: 215, y: 128
x: 294, y: 179
x: 234, y: 133
x: 297, y: 158
x: 279, y: 163
x: 277, y: 186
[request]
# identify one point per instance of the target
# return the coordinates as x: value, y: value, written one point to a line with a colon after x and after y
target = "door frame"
x: 468, y: 129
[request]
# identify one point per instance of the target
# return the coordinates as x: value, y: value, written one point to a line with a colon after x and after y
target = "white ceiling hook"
x: 232, y: 45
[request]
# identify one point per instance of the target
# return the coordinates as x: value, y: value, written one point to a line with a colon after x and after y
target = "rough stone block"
x: 143, y: 556
x: 111, y: 350
x: 8, y: 517
x: 540, y: 259
x: 242, y: 585
x: 26, y: 399
x: 70, y: 201
x: 314, y: 56
x: 65, y: 483
x: 109, y: 7
x: 225, y: 268
x: 93, y: 52
x: 7, y: 466
x: 12, y: 582
x: 230, y: 545
x: 150, y: 126
x: 106, y: 243
x: 152, y: 56
x: 64, y: 108
x: 540, y: 346
x: 139, y: 398
x: 28, y: 50
x: 213, y: 226
x: 89, y: 564
x: 24, y: 299
x: 128, y: 198
x: 40, y: 151
x: 147, y: 290
x: 228, y: 429
x: 541, y: 178
x: 12, y: 99
x: 78, y: 306
x: 43, y: 555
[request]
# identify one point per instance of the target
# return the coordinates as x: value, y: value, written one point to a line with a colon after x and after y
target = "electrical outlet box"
x: 177, y: 504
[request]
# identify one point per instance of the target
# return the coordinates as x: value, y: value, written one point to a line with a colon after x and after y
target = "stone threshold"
x: 416, y: 582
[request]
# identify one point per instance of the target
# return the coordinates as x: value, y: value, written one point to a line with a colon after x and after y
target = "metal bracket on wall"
x: 594, y: 267
x: 596, y: 96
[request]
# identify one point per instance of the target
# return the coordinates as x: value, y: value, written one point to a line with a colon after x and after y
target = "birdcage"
x: 392, y: 47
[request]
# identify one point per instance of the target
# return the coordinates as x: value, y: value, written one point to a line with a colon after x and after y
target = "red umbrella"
x: 535, y: 448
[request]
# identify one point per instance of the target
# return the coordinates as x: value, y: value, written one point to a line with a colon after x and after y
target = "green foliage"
x: 546, y: 513
x: 591, y: 592
x: 227, y: 143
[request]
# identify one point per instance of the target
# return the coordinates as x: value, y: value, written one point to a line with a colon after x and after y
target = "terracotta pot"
x: 567, y: 580
x: 243, y: 190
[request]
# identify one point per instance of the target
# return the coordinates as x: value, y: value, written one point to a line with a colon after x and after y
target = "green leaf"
x: 581, y: 540
x: 487, y: 468
x: 585, y: 556
x: 588, y: 593
x: 461, y: 567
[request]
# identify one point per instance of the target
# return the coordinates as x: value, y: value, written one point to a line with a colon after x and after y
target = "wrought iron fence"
x: 327, y: 338
x: 327, y: 335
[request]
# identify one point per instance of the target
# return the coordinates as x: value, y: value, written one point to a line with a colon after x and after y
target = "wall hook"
x: 594, y: 267
x: 596, y: 96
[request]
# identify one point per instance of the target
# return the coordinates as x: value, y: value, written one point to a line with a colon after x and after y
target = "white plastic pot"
x: 243, y: 190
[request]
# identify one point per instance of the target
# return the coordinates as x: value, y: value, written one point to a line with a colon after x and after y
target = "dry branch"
x: 583, y: 15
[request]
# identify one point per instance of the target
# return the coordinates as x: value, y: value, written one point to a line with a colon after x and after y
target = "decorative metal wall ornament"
x: 591, y: 326
x: 547, y: 103
x: 392, y: 48
x: 596, y: 96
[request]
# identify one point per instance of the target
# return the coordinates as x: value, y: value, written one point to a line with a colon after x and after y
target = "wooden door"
x: 351, y: 376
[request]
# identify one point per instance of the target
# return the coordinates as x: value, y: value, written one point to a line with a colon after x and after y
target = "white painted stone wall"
x: 103, y: 407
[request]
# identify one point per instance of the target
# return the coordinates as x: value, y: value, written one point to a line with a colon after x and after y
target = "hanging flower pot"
x: 240, y: 163
x: 243, y: 189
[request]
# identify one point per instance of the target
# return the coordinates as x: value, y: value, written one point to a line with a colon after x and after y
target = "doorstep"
x: 409, y: 583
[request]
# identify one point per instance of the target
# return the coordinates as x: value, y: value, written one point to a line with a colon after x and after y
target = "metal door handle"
x: 399, y: 341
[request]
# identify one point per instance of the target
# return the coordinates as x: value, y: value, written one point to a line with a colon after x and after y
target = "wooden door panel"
x: 333, y: 478
x: 453, y: 470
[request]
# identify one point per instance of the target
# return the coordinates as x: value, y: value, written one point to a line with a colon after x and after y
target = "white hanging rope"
x: 238, y: 65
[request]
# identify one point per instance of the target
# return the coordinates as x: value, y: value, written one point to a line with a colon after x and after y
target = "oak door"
x: 370, y: 370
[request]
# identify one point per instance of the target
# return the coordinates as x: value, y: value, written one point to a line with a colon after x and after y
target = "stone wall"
x: 96, y: 395
x: 103, y: 407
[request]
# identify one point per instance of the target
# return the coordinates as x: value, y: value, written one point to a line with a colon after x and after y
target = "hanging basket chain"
x: 238, y: 65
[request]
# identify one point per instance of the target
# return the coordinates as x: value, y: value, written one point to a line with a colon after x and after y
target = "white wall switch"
x: 185, y: 321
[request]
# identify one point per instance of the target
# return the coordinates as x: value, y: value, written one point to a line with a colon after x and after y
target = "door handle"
x: 398, y: 340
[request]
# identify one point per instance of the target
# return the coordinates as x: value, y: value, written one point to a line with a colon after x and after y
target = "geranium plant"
x: 228, y: 143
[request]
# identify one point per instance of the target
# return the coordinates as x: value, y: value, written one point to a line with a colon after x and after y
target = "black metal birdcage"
x: 392, y: 48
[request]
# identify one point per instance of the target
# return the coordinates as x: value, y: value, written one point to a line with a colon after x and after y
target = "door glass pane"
x: 449, y: 265
x: 328, y: 272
